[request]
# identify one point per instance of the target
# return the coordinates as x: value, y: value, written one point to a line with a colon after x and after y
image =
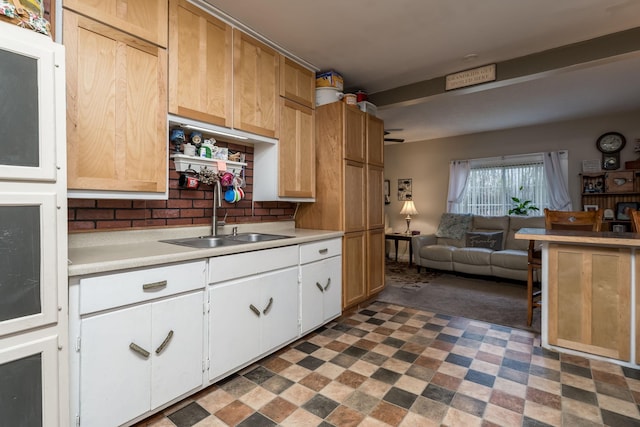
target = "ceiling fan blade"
x: 394, y: 139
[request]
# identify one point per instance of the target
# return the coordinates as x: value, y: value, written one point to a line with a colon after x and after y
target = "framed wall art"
x: 387, y: 192
x: 404, y: 189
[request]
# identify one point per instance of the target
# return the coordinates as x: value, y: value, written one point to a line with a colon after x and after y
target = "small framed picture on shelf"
x: 590, y: 207
x: 623, y: 208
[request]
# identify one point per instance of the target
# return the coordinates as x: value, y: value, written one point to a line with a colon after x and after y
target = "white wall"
x: 427, y: 162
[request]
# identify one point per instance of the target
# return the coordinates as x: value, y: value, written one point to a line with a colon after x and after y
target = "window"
x: 493, y: 182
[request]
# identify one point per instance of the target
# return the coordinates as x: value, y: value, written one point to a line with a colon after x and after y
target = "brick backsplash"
x: 183, y: 208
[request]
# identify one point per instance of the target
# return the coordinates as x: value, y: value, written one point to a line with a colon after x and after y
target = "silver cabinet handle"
x: 165, y: 343
x: 323, y: 251
x: 268, y: 307
x: 254, y: 309
x: 320, y: 287
x: 328, y: 283
x: 141, y: 351
x: 154, y: 286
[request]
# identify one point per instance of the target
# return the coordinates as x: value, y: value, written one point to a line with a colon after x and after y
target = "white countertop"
x: 99, y: 252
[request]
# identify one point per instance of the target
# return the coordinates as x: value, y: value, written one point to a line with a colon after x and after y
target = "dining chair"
x: 634, y: 214
x: 556, y: 220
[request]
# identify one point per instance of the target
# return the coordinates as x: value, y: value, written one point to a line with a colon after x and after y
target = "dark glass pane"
x: 19, y: 139
x: 21, y: 392
x: 19, y: 261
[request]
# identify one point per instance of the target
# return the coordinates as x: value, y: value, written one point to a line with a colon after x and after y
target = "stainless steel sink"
x: 203, y: 242
x: 227, y: 240
x: 255, y: 237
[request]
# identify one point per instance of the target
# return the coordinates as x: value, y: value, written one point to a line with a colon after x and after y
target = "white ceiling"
x: 380, y: 45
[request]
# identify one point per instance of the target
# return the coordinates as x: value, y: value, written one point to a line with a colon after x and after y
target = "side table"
x: 396, y: 237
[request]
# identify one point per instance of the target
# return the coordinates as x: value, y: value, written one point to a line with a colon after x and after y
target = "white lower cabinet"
x: 252, y: 315
x: 136, y: 359
x: 141, y: 338
x: 133, y: 359
x: 320, y: 283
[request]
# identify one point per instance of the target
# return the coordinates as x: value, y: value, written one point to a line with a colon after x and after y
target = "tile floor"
x: 389, y: 365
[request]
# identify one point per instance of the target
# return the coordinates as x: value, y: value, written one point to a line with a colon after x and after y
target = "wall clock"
x: 610, y: 144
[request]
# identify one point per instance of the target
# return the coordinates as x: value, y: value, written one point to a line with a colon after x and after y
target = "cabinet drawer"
x: 319, y: 250
x: 245, y: 264
x: 115, y: 290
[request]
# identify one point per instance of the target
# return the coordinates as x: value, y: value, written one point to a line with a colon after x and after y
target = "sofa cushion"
x: 453, y: 226
x: 484, y: 239
x: 473, y: 256
x: 509, y: 258
x: 518, y: 222
x: 489, y: 223
x: 437, y: 252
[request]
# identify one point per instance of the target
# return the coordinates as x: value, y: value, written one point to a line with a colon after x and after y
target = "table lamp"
x: 408, y: 209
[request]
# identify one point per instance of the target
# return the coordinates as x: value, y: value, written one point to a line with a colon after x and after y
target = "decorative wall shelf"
x: 184, y: 162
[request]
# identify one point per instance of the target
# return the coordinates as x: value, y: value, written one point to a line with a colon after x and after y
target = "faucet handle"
x: 234, y: 231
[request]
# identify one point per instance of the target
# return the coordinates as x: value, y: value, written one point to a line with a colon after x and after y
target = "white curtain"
x: 458, y: 175
x: 556, y: 184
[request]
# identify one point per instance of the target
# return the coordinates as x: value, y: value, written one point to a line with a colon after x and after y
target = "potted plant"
x: 522, y: 207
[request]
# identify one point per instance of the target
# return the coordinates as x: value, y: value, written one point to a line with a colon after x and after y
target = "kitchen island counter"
x: 590, y: 300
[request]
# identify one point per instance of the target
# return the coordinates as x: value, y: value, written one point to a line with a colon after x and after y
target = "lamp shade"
x: 409, y: 208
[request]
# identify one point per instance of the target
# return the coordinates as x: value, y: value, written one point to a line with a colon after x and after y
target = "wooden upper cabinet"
x: 375, y: 141
x: 146, y: 19
x: 256, y: 86
x: 116, y: 109
x: 297, y: 83
x: 296, y: 150
x: 200, y: 64
x: 354, y: 130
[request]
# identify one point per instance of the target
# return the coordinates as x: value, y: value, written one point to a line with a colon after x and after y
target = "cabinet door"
x: 234, y: 325
x: 375, y: 195
x: 200, y: 52
x: 29, y: 381
x: 375, y: 140
x: 116, y: 109
x: 29, y: 263
x: 115, y: 380
x: 256, y: 83
x: 354, y: 134
x: 29, y: 66
x: 321, y: 281
x: 354, y: 262
x: 296, y: 150
x: 355, y: 197
x: 279, y: 308
x: 375, y: 261
x: 590, y: 284
x: 297, y: 83
x: 146, y: 19
x: 177, y: 347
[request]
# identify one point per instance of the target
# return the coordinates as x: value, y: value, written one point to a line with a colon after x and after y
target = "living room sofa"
x: 478, y: 245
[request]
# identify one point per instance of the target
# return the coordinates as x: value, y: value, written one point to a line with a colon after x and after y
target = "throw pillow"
x: 485, y: 239
x: 453, y: 226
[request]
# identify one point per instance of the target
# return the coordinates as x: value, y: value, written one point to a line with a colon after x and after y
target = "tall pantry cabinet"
x: 349, y: 181
x: 34, y: 352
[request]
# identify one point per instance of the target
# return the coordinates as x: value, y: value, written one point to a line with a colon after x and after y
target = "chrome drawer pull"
x: 328, y: 283
x: 154, y: 286
x: 164, y: 343
x: 268, y: 307
x: 320, y: 287
x: 254, y: 309
x: 141, y: 351
x: 323, y: 251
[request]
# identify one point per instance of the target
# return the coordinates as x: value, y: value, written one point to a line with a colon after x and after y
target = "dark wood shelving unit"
x: 608, y: 188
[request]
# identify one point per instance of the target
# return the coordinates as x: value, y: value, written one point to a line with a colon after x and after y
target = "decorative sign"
x: 471, y: 77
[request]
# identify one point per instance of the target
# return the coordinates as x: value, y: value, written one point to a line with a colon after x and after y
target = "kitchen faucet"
x: 217, y: 202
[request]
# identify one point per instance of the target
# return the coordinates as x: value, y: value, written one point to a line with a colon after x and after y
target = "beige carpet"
x: 487, y: 299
